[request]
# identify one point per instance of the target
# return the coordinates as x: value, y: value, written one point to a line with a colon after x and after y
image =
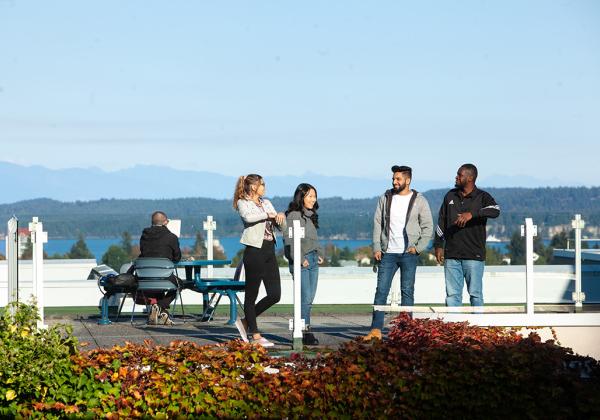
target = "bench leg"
x: 209, y: 312
x: 135, y: 296
x: 178, y: 295
x: 121, y: 307
x: 104, y: 312
x: 232, y: 307
x: 240, y: 303
x: 205, y: 301
x: 181, y: 304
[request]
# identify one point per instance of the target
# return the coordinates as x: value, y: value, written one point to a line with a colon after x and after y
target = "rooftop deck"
x: 332, y: 329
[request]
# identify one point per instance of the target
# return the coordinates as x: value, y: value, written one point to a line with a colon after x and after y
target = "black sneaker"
x: 309, y: 339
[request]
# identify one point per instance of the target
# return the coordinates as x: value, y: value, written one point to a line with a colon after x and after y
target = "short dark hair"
x: 158, y: 217
x: 472, y: 169
x: 406, y: 170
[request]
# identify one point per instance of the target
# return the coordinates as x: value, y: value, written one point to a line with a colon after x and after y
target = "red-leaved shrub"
x: 425, y: 369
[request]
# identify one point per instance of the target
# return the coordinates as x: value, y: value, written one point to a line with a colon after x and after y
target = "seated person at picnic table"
x: 157, y: 241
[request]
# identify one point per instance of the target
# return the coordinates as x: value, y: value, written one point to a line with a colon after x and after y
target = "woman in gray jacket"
x: 260, y: 264
x: 303, y: 207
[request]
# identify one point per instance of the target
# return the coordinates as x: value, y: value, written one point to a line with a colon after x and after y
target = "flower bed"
x: 426, y: 368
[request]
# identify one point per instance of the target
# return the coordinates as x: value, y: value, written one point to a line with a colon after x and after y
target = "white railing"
x: 490, y: 316
x: 62, y: 283
x: 529, y: 230
x: 12, y: 251
x: 296, y: 233
x: 578, y: 295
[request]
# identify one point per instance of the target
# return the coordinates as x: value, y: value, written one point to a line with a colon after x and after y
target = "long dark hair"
x: 297, y: 203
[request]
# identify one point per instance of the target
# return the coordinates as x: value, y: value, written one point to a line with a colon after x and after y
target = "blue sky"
x: 335, y: 88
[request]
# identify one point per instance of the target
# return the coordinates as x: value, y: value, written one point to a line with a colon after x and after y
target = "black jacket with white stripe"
x: 467, y: 243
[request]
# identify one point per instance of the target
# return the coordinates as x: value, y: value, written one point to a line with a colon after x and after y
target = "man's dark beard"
x: 400, y: 188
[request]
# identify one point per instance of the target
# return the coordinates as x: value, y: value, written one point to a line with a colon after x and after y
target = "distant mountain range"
x: 156, y: 182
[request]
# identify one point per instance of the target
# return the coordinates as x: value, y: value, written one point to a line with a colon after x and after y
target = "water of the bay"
x: 231, y: 245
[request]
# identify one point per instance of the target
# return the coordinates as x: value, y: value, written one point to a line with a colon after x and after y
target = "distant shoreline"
x: 230, y: 244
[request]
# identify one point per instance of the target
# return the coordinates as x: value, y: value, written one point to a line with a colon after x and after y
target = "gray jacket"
x: 419, y: 225
x: 255, y: 219
x: 309, y: 243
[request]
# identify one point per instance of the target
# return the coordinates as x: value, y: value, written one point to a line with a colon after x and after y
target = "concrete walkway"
x: 331, y: 330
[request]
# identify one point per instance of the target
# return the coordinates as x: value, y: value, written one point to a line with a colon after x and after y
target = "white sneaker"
x: 165, y: 319
x: 262, y: 341
x: 153, y: 315
x: 240, y: 326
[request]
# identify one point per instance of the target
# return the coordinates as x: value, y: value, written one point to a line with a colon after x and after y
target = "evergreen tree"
x: 516, y: 249
x: 79, y: 250
x: 335, y: 260
x: 199, y: 251
x: 126, y: 243
x: 346, y: 254
x: 559, y: 240
x: 493, y: 256
x: 332, y: 256
x: 562, y: 240
x: 115, y: 256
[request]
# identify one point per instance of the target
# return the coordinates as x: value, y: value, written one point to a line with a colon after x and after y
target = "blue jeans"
x: 309, y: 277
x: 407, y: 263
x: 456, y: 273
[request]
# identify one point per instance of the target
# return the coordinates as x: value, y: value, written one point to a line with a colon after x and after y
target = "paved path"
x: 331, y: 330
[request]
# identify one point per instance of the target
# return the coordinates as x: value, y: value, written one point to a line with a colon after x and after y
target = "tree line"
x: 339, y: 218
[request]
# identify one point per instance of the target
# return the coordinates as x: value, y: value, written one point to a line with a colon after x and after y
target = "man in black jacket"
x: 460, y: 236
x: 157, y: 241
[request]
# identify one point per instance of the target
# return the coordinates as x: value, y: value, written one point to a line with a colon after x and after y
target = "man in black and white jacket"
x: 460, y: 236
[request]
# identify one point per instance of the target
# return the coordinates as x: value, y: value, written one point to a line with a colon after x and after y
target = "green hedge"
x: 426, y: 368
x: 35, y: 363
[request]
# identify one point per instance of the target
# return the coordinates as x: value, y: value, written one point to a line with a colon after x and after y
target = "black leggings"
x: 260, y: 264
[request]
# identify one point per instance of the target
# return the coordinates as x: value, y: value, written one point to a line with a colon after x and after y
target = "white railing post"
x: 296, y: 233
x: 209, y: 226
x: 38, y: 238
x: 529, y: 230
x: 578, y: 295
x: 12, y: 255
